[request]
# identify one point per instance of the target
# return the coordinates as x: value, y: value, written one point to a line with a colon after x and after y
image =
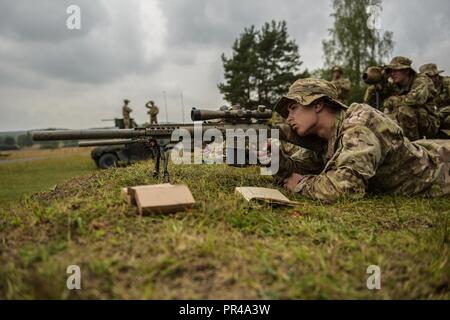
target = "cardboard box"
x: 162, y: 198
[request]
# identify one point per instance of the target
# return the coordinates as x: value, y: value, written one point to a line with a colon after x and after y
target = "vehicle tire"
x: 107, y: 160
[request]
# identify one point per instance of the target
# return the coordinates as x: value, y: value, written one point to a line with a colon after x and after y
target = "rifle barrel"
x: 99, y: 143
x: 159, y: 132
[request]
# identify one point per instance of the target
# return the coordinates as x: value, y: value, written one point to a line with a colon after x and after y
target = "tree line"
x: 25, y: 140
x: 264, y: 63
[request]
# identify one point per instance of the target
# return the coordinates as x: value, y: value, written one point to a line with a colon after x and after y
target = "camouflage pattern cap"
x: 337, y: 68
x: 430, y: 69
x: 305, y: 92
x: 126, y: 100
x: 400, y: 63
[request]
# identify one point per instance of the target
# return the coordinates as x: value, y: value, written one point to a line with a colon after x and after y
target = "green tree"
x: 263, y: 65
x: 70, y: 143
x: 354, y: 43
x: 49, y: 144
x: 321, y: 73
x: 278, y: 62
x: 9, y: 140
x: 239, y: 70
x: 25, y: 140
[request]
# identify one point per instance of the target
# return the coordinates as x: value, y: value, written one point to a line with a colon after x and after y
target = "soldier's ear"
x: 318, y: 106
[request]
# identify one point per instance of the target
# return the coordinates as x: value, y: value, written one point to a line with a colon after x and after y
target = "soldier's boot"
x: 441, y: 150
x: 408, y: 120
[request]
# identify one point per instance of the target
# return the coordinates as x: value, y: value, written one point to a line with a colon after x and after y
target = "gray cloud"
x: 109, y: 44
x: 52, y: 76
x: 215, y: 22
x: 421, y: 31
x: 42, y: 21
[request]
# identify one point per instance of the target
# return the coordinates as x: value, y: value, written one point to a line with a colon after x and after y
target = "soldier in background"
x: 342, y: 85
x: 126, y: 111
x: 153, y: 112
x: 361, y: 150
x: 410, y: 100
x: 442, y: 86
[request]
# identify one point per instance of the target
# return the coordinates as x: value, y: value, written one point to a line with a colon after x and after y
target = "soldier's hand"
x: 379, y: 87
x: 265, y: 155
x: 292, y: 182
x: 392, y: 102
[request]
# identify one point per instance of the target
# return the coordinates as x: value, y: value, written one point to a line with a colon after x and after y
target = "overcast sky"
x: 51, y: 76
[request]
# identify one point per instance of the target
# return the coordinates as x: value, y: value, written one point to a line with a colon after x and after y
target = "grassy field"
x: 36, y: 153
x: 45, y: 169
x: 221, y: 249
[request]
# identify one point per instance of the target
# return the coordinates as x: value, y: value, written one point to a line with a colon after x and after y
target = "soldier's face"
x: 399, y: 76
x: 336, y: 74
x: 302, y: 119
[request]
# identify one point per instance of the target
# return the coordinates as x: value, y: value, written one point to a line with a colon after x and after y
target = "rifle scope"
x: 202, y: 115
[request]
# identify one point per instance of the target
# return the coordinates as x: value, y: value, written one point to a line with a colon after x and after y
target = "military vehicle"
x: 7, y: 147
x: 111, y: 153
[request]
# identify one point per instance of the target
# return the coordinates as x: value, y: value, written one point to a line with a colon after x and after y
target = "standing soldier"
x: 153, y: 112
x: 410, y: 100
x: 343, y: 85
x: 126, y: 110
x: 442, y: 86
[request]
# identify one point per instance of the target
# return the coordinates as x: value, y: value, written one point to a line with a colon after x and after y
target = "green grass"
x: 22, y: 178
x: 223, y: 248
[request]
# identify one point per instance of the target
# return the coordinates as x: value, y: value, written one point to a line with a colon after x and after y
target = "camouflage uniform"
x: 412, y: 106
x: 153, y: 112
x: 442, y: 94
x: 342, y: 85
x: 366, y: 152
x: 126, y: 110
